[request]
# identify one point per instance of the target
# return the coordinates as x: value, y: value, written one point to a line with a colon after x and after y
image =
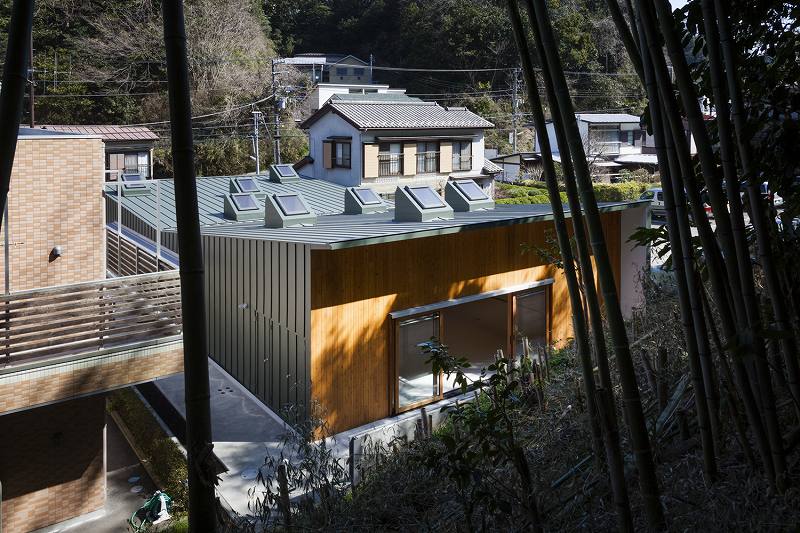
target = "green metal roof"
x: 324, y: 197
x: 347, y: 231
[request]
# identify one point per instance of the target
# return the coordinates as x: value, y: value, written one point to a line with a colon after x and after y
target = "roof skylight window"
x: 362, y: 200
x: 419, y: 204
x: 245, y: 201
x: 283, y: 174
x: 367, y: 196
x: 285, y: 210
x: 134, y: 185
x: 471, y: 190
x: 291, y: 204
x: 242, y: 206
x: 245, y: 185
x: 467, y: 195
x: 426, y: 197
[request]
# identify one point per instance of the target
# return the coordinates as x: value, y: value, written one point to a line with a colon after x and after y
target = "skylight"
x: 291, y: 204
x: 247, y: 185
x: 471, y: 190
x: 131, y: 179
x: 285, y: 171
x: 426, y: 197
x: 367, y: 196
x: 245, y: 202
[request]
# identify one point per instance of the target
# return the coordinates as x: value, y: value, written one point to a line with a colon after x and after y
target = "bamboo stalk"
x: 640, y: 440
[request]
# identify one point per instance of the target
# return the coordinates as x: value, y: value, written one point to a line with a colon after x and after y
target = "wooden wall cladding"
x: 353, y: 290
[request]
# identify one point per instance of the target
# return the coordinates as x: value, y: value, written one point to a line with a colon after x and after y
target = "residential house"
x: 324, y: 294
x: 332, y: 68
x: 69, y: 335
x: 382, y: 140
x: 128, y: 149
x: 322, y: 92
x: 519, y: 166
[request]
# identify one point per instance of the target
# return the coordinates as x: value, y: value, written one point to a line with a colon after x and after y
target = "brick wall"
x: 52, y: 463
x: 55, y: 199
x: 63, y: 381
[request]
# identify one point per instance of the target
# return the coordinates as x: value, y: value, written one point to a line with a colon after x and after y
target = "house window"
x: 128, y: 163
x: 416, y: 382
x: 358, y: 72
x: 627, y: 138
x: 342, y: 154
x: 341, y: 71
x: 474, y: 329
x: 390, y: 159
x: 604, y: 139
x: 462, y: 155
x: 427, y: 157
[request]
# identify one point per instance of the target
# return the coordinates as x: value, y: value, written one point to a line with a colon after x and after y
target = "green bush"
x: 162, y: 454
x: 540, y: 197
x: 618, y: 192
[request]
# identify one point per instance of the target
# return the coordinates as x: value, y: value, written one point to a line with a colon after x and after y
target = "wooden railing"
x: 91, y: 316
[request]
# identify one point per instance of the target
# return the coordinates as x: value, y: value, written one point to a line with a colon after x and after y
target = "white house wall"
x: 332, y: 125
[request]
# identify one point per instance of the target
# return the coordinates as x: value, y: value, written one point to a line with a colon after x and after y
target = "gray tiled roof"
x: 400, y: 114
x: 346, y: 231
x: 490, y: 167
x: 324, y: 197
x: 370, y: 98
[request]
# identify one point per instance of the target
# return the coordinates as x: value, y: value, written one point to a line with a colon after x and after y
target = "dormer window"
x: 245, y: 185
x: 242, y: 206
x: 134, y: 185
x: 291, y: 204
x: 245, y: 202
x: 471, y: 190
x: 286, y: 210
x: 367, y: 196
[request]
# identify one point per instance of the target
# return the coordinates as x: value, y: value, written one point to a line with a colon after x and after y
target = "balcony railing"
x: 86, y: 317
x: 462, y: 162
x: 390, y: 164
x: 427, y: 162
x: 143, y: 170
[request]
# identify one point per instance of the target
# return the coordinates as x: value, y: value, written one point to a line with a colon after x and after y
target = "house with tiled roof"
x: 129, y: 149
x: 390, y: 139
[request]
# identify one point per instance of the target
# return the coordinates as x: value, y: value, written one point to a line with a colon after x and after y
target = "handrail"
x: 89, y: 316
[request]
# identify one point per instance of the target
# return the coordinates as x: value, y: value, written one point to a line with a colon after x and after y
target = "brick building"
x: 70, y: 335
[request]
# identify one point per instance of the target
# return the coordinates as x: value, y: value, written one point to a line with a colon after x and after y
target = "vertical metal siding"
x: 265, y: 345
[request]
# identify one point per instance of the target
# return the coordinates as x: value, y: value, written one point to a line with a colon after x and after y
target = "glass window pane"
x: 291, y: 204
x: 285, y: 171
x: 416, y: 382
x: 471, y: 190
x: 475, y: 330
x: 530, y: 319
x: 367, y: 196
x: 247, y: 185
x: 131, y: 180
x: 245, y: 202
x: 426, y: 197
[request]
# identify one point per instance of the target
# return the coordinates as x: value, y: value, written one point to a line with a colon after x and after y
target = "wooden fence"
x: 89, y: 316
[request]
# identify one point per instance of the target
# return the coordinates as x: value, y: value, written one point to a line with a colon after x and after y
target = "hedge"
x: 604, y: 192
x: 163, y: 456
x: 617, y: 192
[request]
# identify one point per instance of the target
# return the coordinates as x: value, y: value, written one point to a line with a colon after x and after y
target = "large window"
x: 341, y: 150
x: 416, y: 382
x: 390, y: 159
x: 128, y: 163
x: 604, y: 139
x: 475, y: 329
x: 427, y: 157
x: 462, y: 155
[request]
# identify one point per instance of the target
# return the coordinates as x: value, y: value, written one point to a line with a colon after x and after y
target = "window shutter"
x: 327, y: 154
x: 446, y: 157
x: 409, y: 159
x: 371, y: 160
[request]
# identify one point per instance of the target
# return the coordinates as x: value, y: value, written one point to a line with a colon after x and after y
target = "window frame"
x: 398, y: 155
x: 458, y: 155
x: 335, y: 154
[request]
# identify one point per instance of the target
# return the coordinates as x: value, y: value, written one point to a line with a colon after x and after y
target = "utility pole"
x: 276, y: 142
x: 514, y: 107
x: 256, y: 118
x: 31, y: 83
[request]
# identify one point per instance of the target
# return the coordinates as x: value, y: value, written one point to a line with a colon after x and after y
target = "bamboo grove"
x: 737, y: 299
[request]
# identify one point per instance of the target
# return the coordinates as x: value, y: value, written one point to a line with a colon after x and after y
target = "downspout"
x: 202, y: 477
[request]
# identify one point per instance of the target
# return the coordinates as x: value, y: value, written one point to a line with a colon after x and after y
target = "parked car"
x: 656, y: 197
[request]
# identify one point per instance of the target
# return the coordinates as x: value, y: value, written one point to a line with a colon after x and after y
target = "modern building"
x: 69, y: 335
x: 382, y: 140
x: 332, y: 68
x: 129, y: 149
x: 325, y: 294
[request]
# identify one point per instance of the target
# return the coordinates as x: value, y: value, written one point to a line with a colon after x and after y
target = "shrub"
x: 162, y: 454
x: 538, y: 197
x: 618, y: 192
